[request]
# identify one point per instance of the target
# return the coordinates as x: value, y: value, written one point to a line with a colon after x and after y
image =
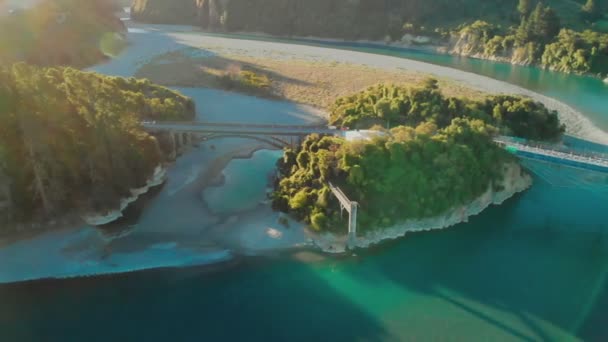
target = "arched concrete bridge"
x: 289, y: 135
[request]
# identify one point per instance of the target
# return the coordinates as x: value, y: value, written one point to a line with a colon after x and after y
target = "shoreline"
x: 156, y: 179
x: 439, y: 49
x: 516, y: 181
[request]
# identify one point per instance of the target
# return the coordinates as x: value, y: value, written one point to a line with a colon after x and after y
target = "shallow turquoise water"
x: 533, y: 269
x: 245, y: 183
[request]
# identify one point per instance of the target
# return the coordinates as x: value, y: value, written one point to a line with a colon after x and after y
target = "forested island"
x: 561, y: 35
x: 439, y: 155
x: 62, y: 32
x: 71, y: 141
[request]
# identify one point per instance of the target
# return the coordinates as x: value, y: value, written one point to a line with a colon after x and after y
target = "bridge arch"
x: 270, y: 140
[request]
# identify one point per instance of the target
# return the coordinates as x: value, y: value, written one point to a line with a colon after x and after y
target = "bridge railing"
x: 232, y: 124
x: 554, y: 149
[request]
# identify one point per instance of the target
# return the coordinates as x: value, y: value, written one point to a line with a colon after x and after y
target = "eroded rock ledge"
x: 515, y: 181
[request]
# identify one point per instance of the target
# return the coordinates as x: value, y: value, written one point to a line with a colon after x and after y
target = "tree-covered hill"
x: 71, y: 140
x: 439, y: 155
x: 329, y: 18
x: 61, y: 32
x: 390, y: 106
x: 350, y: 19
x: 415, y: 172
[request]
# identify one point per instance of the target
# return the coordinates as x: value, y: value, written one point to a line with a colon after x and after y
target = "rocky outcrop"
x: 469, y: 43
x: 515, y: 181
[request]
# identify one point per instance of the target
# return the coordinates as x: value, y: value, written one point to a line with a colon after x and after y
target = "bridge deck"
x: 571, y: 158
x: 595, y: 162
x: 277, y: 130
x: 344, y: 201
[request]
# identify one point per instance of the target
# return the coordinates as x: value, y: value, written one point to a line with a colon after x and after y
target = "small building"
x: 367, y: 135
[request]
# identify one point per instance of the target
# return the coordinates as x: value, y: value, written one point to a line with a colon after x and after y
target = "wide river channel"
x: 533, y: 269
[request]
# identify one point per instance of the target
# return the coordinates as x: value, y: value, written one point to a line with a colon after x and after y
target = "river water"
x: 533, y: 269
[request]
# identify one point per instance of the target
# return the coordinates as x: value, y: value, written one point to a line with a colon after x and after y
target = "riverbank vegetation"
x: 539, y: 39
x: 414, y: 172
x: 390, y: 106
x: 439, y: 155
x: 71, y: 140
x: 61, y: 32
x: 248, y: 82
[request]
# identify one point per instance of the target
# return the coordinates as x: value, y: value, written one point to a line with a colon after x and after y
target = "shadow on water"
x: 524, y: 268
x: 247, y: 302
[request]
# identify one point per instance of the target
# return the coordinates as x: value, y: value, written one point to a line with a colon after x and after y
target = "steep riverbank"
x: 515, y: 181
x: 98, y: 219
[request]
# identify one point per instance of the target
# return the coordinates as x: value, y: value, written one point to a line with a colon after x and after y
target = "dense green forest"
x: 390, y: 106
x: 411, y: 173
x: 438, y: 155
x: 540, y: 39
x: 372, y: 19
x: 71, y: 140
x: 61, y: 32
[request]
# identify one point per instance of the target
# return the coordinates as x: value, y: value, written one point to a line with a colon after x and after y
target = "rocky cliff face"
x: 468, y: 45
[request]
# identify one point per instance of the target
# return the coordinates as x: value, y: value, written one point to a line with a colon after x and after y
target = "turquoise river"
x: 533, y: 269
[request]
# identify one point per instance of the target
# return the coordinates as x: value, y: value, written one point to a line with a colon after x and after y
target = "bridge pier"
x: 180, y: 140
x: 173, y: 153
x: 351, y: 208
x: 352, y: 225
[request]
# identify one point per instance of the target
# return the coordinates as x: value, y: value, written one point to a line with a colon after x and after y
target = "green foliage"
x: 579, y: 52
x: 72, y: 139
x: 438, y: 156
x: 539, y: 40
x: 337, y: 18
x: 318, y: 221
x: 422, y: 105
x: 418, y: 174
x: 246, y: 81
